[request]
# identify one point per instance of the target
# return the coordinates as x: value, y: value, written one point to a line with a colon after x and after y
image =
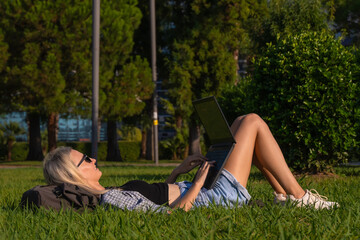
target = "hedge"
x: 130, y: 151
x: 305, y: 87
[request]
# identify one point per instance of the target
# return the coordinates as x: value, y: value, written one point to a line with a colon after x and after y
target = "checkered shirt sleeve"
x: 130, y: 200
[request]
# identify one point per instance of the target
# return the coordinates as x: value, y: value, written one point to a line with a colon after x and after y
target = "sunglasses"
x: 86, y: 159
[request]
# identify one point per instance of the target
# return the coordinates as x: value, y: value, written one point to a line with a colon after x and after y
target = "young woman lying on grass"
x: 254, y: 144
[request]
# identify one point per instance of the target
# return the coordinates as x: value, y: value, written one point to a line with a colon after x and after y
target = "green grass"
x: 248, y: 222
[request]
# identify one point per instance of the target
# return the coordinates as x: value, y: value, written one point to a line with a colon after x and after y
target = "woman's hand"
x: 202, y: 173
x: 186, y: 166
x: 190, y: 163
x: 187, y: 201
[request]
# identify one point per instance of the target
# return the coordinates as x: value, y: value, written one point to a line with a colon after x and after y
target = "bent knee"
x: 253, y: 118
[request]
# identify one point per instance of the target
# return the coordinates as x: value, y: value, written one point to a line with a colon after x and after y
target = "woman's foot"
x: 314, y: 199
x: 279, y: 198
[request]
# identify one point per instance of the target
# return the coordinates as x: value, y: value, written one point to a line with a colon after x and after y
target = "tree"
x: 48, y: 55
x: 305, y: 88
x: 125, y: 80
x: 286, y: 17
x: 205, y: 38
x: 142, y: 47
x: 9, y: 132
x: 4, y: 51
x: 4, y: 55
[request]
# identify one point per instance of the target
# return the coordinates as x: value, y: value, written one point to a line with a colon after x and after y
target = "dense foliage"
x: 304, y: 87
x: 45, y: 63
x: 234, y: 100
x: 130, y: 150
x: 203, y: 45
x: 286, y: 17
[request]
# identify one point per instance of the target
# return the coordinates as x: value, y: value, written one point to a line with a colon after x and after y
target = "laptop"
x: 220, y: 136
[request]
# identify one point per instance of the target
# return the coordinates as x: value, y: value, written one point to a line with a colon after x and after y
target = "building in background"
x: 70, y: 128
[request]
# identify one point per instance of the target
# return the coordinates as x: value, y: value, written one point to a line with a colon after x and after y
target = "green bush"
x: 3, y: 152
x: 304, y: 87
x: 130, y: 151
x: 164, y: 151
x: 19, y: 151
x: 355, y: 152
x: 84, y: 147
x: 233, y: 100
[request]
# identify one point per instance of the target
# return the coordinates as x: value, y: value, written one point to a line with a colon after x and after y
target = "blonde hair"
x: 58, y: 168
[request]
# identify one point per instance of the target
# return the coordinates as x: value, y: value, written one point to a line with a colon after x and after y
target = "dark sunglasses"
x: 86, y: 159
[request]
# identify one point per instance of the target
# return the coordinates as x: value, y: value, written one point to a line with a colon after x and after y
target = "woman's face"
x: 87, y: 169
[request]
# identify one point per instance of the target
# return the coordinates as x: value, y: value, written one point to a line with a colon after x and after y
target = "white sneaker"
x: 314, y: 199
x: 279, y: 198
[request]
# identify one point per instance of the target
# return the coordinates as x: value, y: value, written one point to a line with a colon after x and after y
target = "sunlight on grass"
x: 249, y: 222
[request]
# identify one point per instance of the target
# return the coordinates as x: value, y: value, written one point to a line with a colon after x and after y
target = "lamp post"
x: 154, y: 78
x: 95, y: 76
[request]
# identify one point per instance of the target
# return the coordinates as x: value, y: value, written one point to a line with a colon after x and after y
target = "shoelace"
x: 315, y: 193
x: 279, y: 196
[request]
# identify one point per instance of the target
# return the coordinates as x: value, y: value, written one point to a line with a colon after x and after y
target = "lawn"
x: 249, y: 222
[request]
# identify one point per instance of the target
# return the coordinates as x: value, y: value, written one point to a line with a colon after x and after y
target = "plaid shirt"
x: 130, y: 200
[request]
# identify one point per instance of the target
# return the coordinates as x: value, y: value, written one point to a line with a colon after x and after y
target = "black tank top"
x: 155, y: 192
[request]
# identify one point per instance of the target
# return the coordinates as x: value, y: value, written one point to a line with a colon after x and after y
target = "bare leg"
x: 252, y: 135
x: 271, y: 179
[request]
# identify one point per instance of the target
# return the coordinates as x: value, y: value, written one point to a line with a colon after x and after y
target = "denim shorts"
x: 227, y: 192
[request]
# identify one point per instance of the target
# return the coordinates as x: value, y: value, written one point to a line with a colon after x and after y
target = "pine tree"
x: 4, y: 55
x: 125, y: 80
x: 206, y: 38
x: 48, y: 70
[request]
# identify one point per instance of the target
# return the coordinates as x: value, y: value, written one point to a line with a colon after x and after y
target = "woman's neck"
x: 97, y: 186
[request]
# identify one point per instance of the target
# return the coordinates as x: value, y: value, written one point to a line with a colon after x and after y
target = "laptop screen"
x: 213, y: 120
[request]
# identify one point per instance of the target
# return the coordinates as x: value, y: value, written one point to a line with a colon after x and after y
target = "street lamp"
x: 95, y: 76
x: 154, y: 77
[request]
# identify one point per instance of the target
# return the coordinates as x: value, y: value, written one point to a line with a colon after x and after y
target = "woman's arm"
x: 186, y: 166
x: 187, y: 201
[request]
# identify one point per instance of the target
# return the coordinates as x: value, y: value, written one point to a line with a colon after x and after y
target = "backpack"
x: 64, y: 196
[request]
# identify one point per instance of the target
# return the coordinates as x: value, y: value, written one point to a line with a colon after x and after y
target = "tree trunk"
x: 149, y: 144
x: 194, y: 139
x: 113, y: 152
x: 178, y: 122
x: 143, y: 143
x: 186, y: 152
x: 35, y: 150
x: 52, y: 126
x: 10, y: 144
